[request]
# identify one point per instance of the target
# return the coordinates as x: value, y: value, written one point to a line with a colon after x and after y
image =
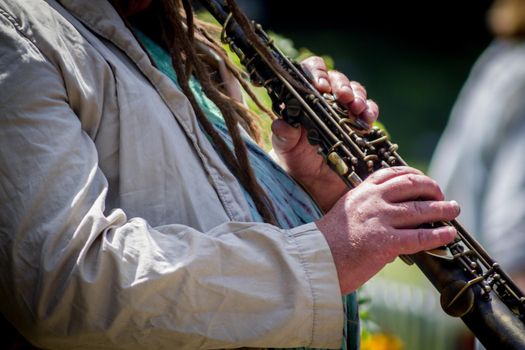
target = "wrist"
x: 325, y: 193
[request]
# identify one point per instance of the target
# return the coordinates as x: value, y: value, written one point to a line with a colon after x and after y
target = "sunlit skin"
x: 370, y: 225
x: 300, y: 158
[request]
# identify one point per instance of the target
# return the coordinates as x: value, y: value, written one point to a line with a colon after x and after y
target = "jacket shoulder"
x: 37, y: 22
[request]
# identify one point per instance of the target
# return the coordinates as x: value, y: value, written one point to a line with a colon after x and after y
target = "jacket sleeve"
x: 77, y: 275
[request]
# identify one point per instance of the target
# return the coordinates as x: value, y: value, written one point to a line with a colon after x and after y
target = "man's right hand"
x: 380, y: 219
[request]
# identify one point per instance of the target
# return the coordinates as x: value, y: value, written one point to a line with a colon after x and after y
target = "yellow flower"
x: 381, y: 341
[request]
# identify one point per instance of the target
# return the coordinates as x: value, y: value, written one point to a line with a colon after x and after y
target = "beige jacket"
x: 120, y: 227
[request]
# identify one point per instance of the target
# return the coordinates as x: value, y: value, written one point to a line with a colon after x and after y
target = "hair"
x: 171, y: 23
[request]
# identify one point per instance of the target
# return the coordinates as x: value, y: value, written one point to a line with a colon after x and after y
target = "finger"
x: 415, y: 240
x: 411, y: 186
x: 371, y: 113
x: 380, y: 176
x: 358, y: 105
x: 284, y: 136
x: 344, y: 94
x: 416, y: 213
x: 317, y: 68
x: 341, y: 88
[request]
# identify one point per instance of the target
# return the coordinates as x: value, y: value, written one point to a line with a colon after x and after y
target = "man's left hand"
x: 301, y: 159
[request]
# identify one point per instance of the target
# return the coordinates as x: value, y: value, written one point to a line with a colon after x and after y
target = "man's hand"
x: 380, y: 219
x: 300, y: 158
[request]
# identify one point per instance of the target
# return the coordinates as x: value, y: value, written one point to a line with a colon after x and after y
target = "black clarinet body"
x: 471, y: 284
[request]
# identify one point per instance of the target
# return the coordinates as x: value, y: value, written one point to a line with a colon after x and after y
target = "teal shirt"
x: 293, y: 206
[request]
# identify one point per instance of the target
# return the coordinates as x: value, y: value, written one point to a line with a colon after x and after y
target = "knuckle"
x: 394, y: 170
x: 337, y: 75
x: 373, y: 106
x: 423, y: 182
x: 361, y: 213
x: 315, y: 62
x: 375, y: 176
x: 411, y: 179
x: 434, y: 185
x: 380, y: 172
x: 397, y: 169
x: 403, y: 210
x: 418, y: 208
x: 422, y: 238
x: 358, y: 86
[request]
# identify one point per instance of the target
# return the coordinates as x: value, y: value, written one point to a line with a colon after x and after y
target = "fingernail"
x: 323, y: 81
x: 280, y: 138
x: 358, y: 105
x: 359, y: 100
x: 368, y: 114
x: 455, y: 204
x: 452, y: 231
x: 347, y: 89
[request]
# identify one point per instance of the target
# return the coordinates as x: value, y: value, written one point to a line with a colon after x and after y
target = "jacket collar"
x: 102, y: 18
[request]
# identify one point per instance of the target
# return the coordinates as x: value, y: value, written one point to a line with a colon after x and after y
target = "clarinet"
x: 471, y: 284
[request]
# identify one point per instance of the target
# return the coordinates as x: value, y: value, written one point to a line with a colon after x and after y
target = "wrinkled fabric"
x: 293, y: 206
x: 120, y: 226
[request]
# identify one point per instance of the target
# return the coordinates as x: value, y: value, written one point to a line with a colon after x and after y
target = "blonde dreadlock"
x: 171, y: 23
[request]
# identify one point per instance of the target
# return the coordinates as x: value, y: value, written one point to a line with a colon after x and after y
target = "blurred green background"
x: 413, y: 58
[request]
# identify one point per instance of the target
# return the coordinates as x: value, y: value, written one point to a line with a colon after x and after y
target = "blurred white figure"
x: 480, y: 159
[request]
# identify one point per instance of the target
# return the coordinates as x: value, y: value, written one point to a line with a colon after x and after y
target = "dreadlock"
x: 172, y: 25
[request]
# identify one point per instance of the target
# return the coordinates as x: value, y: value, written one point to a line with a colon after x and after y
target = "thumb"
x: 284, y: 136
